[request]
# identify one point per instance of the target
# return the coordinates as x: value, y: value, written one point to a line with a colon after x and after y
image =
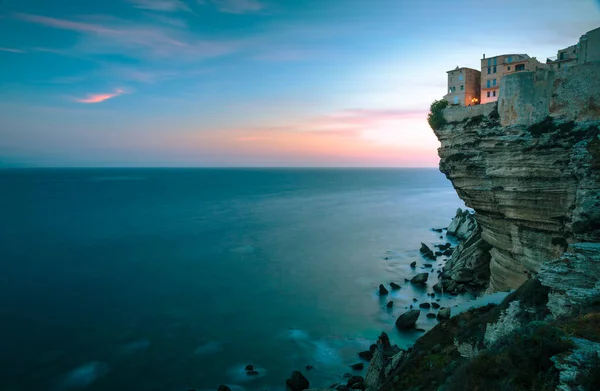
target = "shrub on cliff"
x: 436, y: 116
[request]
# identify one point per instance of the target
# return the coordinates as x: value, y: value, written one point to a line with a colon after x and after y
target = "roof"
x: 458, y: 69
x: 508, y: 54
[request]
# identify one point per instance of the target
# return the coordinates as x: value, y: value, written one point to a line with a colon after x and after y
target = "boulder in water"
x: 390, y: 304
x: 297, y: 382
x: 223, y: 387
x: 408, y: 319
x: 394, y: 286
x: 444, y: 313
x: 358, y: 366
x: 425, y: 305
x: 382, y: 290
x: 413, y: 264
x: 420, y: 279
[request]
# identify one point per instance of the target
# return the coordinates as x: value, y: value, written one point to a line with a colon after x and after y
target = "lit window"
x: 456, y: 101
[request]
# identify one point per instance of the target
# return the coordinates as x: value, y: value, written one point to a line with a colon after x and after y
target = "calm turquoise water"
x: 176, y: 279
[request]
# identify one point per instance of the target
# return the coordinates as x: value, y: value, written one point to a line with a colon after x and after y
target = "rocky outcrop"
x: 469, y: 265
x: 385, y: 359
x: 529, y: 169
x: 297, y: 382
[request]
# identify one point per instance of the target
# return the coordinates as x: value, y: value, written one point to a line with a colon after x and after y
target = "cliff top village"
x: 467, y: 86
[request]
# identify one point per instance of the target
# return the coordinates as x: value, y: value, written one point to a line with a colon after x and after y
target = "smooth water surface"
x: 164, y: 279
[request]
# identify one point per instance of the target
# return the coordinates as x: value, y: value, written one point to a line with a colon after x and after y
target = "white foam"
x: 85, y: 375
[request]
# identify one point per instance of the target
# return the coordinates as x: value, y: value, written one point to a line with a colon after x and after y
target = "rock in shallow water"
x: 444, y: 313
x: 358, y: 366
x: 408, y: 319
x: 382, y: 290
x: 297, y: 382
x: 390, y: 304
x: 420, y: 279
x: 394, y: 286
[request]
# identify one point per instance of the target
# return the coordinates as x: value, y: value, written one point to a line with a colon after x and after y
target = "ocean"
x: 176, y: 279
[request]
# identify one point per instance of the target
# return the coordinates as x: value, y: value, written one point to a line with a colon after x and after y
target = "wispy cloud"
x: 135, y: 39
x: 97, y: 98
x: 238, y: 6
x: 161, y: 5
x: 10, y: 50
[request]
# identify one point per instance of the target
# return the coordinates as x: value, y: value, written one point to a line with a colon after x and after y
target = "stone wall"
x: 460, y: 113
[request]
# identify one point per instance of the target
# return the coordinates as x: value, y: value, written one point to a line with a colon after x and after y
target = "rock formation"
x: 530, y: 168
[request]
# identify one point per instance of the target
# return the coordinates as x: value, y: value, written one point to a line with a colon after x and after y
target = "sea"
x: 177, y: 279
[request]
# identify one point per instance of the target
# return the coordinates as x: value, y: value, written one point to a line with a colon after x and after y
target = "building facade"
x: 586, y: 50
x: 463, y: 86
x: 494, y: 68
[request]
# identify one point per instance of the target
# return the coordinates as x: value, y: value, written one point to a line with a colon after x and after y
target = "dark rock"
x: 382, y: 290
x: 309, y: 367
x: 358, y: 366
x: 342, y: 387
x: 297, y: 382
x: 420, y: 278
x: 431, y: 315
x: 435, y: 305
x: 441, y: 237
x: 424, y: 248
x: 252, y: 373
x: 427, y: 265
x: 432, y: 294
x: 408, y: 319
x: 425, y: 305
x: 437, y: 229
x: 444, y: 313
x: 356, y: 383
x: 438, y: 253
x: 415, y: 299
x: 411, y: 306
x: 368, y: 354
x: 394, y: 286
x: 223, y: 387
x: 390, y: 304
x: 448, y: 252
x: 421, y: 330
x: 249, y: 367
x: 386, y: 258
x: 413, y: 264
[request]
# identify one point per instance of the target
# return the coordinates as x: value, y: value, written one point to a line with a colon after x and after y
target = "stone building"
x: 586, y: 50
x: 463, y: 86
x: 494, y: 68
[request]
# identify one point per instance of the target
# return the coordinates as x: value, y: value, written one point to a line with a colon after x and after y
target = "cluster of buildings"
x: 467, y: 86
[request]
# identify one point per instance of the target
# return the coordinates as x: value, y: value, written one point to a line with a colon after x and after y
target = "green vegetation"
x: 436, y: 116
x: 520, y: 361
x: 589, y: 378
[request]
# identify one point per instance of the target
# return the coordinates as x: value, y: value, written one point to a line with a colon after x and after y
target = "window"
x: 462, y: 87
x: 489, y: 70
x: 488, y: 94
x: 494, y: 69
x: 562, y: 56
x: 494, y: 82
x: 460, y: 77
x: 509, y: 59
x: 488, y: 84
x: 456, y: 101
x: 489, y: 62
x: 520, y: 67
x: 493, y: 93
x: 495, y: 58
x: 509, y: 67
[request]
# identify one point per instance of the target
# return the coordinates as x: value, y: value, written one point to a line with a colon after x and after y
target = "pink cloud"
x: 11, y: 50
x: 161, y: 5
x: 97, y: 98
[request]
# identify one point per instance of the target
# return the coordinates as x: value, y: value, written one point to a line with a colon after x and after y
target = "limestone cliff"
x: 529, y: 165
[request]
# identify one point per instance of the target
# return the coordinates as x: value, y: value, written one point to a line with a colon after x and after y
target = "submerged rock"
x: 382, y: 290
x: 297, y: 382
x: 431, y: 315
x: 435, y: 305
x: 408, y: 319
x: 358, y: 366
x: 420, y: 279
x: 249, y: 367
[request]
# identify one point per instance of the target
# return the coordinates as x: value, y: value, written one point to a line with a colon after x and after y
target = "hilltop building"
x: 463, y: 86
x: 586, y: 50
x: 494, y: 68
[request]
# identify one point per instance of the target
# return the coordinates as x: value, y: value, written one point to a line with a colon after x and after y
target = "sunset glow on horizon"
x: 249, y: 82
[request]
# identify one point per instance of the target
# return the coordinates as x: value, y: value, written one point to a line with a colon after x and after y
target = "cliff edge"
x: 529, y: 165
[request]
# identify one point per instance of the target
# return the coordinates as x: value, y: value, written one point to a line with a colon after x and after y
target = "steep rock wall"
x: 530, y: 169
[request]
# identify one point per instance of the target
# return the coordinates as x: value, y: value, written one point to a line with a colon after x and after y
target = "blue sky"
x: 249, y: 82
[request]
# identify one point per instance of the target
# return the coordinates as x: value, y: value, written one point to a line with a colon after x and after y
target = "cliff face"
x: 530, y: 168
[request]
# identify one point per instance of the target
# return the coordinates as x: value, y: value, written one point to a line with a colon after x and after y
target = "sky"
x: 260, y: 83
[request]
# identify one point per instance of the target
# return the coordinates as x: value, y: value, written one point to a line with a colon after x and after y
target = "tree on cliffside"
x: 436, y: 117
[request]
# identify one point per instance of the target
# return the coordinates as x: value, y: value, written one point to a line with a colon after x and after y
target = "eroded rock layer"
x: 530, y: 168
